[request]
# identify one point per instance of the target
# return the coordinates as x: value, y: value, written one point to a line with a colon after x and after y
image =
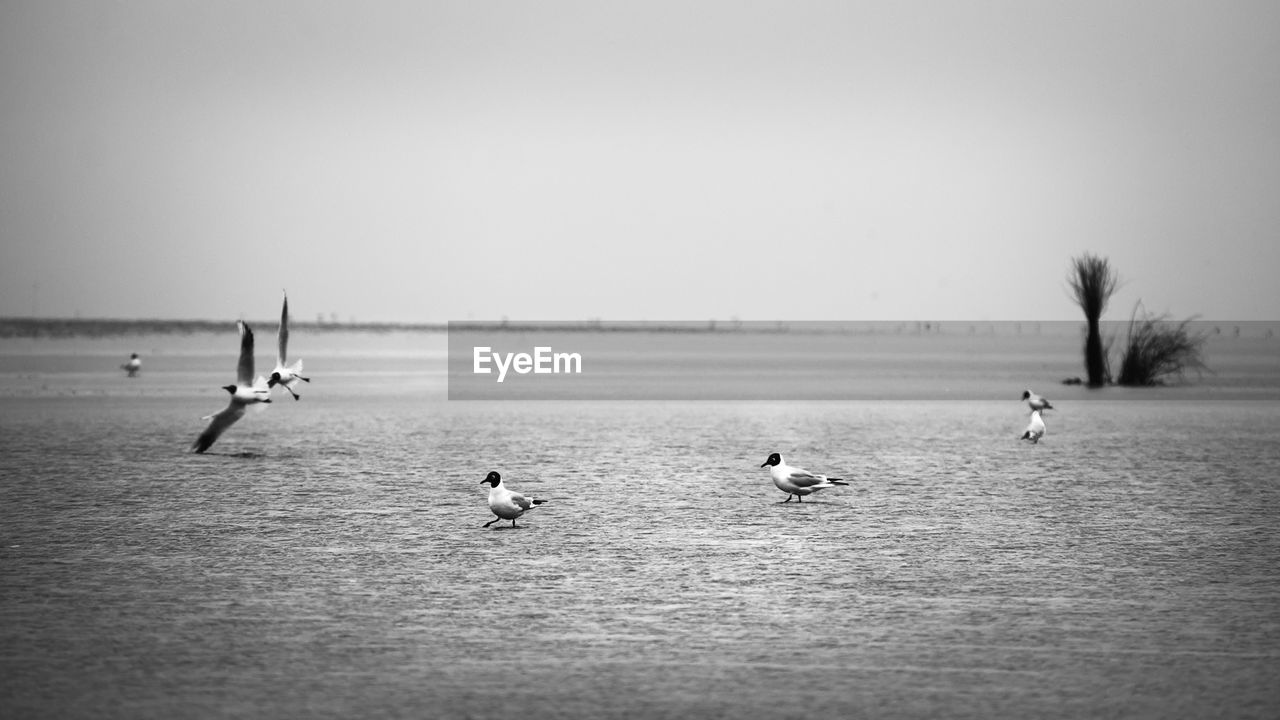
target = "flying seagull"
x: 1035, y: 429
x: 796, y: 481
x: 1035, y: 401
x: 506, y: 504
x: 247, y: 391
x: 286, y: 375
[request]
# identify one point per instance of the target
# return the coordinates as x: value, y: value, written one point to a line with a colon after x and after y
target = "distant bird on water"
x: 286, y: 375
x: 133, y: 366
x: 796, y: 481
x: 505, y: 503
x: 1035, y: 429
x: 247, y: 391
x: 1035, y: 401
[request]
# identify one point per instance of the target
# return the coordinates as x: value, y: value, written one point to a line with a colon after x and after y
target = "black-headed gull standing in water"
x: 796, y: 481
x: 247, y: 391
x: 133, y: 366
x: 286, y: 375
x: 505, y: 503
x: 1035, y: 401
x: 1035, y: 429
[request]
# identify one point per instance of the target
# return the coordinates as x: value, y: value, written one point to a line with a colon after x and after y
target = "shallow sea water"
x: 326, y: 559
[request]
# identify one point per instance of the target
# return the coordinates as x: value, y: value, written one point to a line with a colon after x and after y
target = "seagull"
x: 246, y: 391
x: 504, y: 503
x: 133, y: 366
x: 1035, y: 401
x: 1035, y: 430
x: 797, y: 481
x: 286, y: 375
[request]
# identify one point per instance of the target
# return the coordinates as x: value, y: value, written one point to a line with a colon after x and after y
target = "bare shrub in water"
x: 1156, y: 349
x: 1092, y: 282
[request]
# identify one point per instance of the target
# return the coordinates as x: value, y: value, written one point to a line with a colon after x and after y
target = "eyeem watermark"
x: 543, y: 361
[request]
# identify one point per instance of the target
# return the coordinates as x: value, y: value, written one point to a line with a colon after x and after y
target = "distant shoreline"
x: 107, y: 327
x: 32, y: 328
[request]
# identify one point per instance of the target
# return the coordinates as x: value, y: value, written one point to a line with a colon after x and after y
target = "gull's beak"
x: 764, y: 464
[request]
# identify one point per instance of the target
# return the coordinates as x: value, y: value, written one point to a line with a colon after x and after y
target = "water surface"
x: 326, y: 559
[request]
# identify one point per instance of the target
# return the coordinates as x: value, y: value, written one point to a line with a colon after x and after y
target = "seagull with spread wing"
x: 286, y: 375
x: 247, y: 391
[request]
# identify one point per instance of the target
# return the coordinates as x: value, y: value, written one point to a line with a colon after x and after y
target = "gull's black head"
x: 774, y: 459
x: 230, y: 388
x: 1026, y: 394
x: 492, y: 479
x: 273, y: 380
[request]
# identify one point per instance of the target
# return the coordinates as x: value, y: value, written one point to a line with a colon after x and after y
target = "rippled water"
x: 327, y: 558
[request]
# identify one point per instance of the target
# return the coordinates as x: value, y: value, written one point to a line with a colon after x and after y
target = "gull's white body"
x: 1035, y: 429
x: 283, y: 374
x: 796, y: 481
x: 505, y: 502
x: 247, y: 391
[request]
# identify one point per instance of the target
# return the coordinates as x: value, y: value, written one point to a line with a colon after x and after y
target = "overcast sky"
x: 432, y: 161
